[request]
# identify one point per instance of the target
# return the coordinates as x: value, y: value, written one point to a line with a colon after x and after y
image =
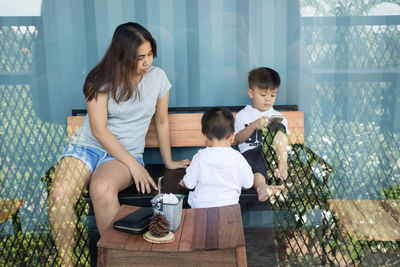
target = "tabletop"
x: 200, y: 229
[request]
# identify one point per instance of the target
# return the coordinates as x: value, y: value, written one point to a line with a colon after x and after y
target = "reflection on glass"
x: 339, y: 63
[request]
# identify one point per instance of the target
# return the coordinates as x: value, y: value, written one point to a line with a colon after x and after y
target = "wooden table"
x: 10, y: 207
x: 206, y: 237
x: 368, y: 219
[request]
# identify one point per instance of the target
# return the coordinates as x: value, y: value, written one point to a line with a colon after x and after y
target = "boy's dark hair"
x: 217, y: 123
x: 264, y: 78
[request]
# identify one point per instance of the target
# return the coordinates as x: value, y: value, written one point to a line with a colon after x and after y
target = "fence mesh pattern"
x: 351, y: 152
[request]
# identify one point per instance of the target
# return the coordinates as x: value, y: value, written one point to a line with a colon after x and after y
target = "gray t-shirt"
x: 129, y: 120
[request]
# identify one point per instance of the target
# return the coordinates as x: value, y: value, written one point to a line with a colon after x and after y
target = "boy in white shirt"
x: 218, y: 172
x: 251, y: 120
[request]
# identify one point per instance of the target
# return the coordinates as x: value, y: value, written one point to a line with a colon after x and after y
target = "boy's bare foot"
x: 265, y: 191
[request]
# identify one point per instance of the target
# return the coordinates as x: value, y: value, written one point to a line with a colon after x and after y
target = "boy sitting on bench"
x: 218, y: 172
x: 251, y: 120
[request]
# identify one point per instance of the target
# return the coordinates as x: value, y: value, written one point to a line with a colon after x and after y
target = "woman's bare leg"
x: 107, y: 180
x: 71, y: 176
x: 280, y: 144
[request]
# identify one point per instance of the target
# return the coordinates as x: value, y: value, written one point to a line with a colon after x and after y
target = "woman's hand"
x: 142, y: 178
x: 177, y: 164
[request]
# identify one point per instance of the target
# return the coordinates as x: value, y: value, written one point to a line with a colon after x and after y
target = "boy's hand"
x: 245, y: 133
x: 181, y: 183
x: 261, y: 122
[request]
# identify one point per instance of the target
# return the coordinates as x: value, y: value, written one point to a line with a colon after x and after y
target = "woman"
x: 122, y: 93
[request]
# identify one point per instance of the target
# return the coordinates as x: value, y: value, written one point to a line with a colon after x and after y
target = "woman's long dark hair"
x: 115, y: 72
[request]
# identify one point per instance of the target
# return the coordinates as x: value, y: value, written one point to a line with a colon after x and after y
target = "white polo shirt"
x: 248, y: 115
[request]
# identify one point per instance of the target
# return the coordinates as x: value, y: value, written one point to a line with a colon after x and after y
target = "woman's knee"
x: 108, y: 179
x: 102, y: 190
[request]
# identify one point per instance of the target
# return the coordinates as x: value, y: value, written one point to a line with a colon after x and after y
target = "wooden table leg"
x: 241, y: 256
x: 101, y: 257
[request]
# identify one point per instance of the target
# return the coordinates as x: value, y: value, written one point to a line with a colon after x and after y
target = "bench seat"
x: 132, y: 197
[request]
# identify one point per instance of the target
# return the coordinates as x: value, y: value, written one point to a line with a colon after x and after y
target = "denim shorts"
x: 92, y: 157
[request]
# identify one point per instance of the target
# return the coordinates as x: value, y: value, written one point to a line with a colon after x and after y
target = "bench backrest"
x: 185, y: 128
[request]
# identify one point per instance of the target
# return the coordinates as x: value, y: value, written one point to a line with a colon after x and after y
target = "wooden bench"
x: 205, y: 237
x: 377, y: 220
x: 185, y: 131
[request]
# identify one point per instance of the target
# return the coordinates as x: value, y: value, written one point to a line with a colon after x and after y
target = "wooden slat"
x: 386, y: 226
x: 187, y: 231
x: 185, y: 128
x: 200, y: 227
x: 186, y: 138
x: 296, y: 126
x: 212, y: 228
x: 182, y: 122
x: 124, y: 258
x: 136, y: 242
x: 368, y: 219
x: 351, y: 220
x: 8, y: 207
x: 392, y: 207
x: 116, y: 239
x: 73, y: 124
x: 174, y: 245
x: 232, y: 236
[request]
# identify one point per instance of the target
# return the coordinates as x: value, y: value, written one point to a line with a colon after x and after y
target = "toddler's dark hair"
x: 264, y: 78
x: 217, y: 123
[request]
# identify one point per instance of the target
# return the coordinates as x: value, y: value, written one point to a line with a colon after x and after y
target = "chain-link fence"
x: 352, y: 127
x: 28, y: 149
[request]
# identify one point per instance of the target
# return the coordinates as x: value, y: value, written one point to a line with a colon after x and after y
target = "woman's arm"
x: 97, y: 111
x: 161, y: 124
